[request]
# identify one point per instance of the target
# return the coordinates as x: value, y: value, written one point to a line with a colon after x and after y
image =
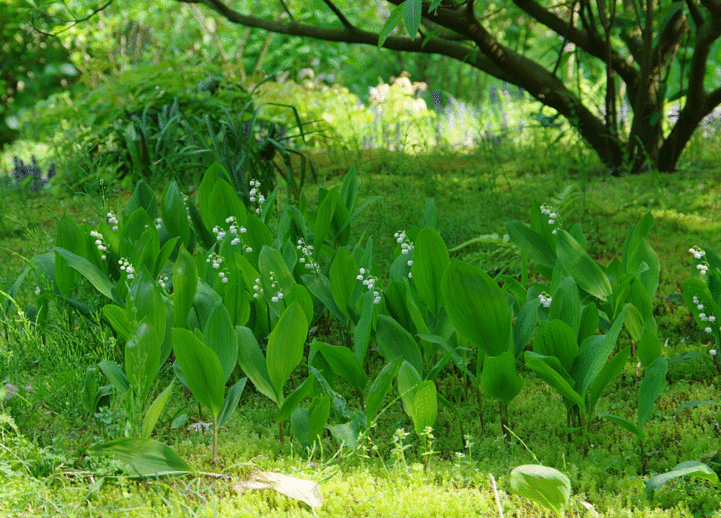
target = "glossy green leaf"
x: 408, y: 381
x: 143, y: 197
x: 362, y: 330
x: 285, y: 346
x: 556, y: 338
x: 525, y: 325
x: 648, y: 347
x: 230, y: 403
x: 68, y: 237
x: 115, y: 375
x: 609, y: 372
x: 142, y: 357
x: 344, y: 363
x: 425, y: 406
x: 349, y: 189
x: 175, y: 217
x: 533, y: 243
x: 566, y: 304
x: 292, y: 400
x: 323, y: 219
x: 691, y: 468
x: 390, y: 24
x: 395, y: 342
x: 624, y: 423
x: 499, y: 377
x: 477, y: 307
x: 146, y: 457
x: 342, y: 276
x: 118, y: 319
x: 546, y: 486
x: 253, y: 363
x: 185, y: 285
x: 220, y: 336
x: 91, y: 272
x: 430, y: 260
x: 412, y: 11
x: 556, y: 380
x: 147, y: 302
x: 652, y: 386
x: 156, y: 410
x: 319, y: 285
x: 202, y: 369
x: 585, y: 271
x: 380, y: 387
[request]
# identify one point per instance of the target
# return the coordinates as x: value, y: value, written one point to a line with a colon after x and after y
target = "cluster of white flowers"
x: 274, y: 285
x: 369, y: 282
x: 126, y: 267
x: 158, y: 223
x: 164, y: 282
x: 406, y: 247
x: 552, y: 215
x: 187, y: 209
x: 257, y: 289
x: 112, y: 220
x: 217, y: 261
x: 307, y: 257
x: 256, y: 195
x: 235, y: 230
x: 545, y: 300
x: 703, y: 317
x: 699, y: 254
x: 100, y: 243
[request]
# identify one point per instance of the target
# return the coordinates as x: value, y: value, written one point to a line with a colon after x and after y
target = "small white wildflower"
x: 248, y: 249
x: 243, y: 230
x: 695, y: 299
x: 703, y: 317
x: 37, y: 290
x: 235, y: 241
x: 708, y: 330
x: 712, y: 352
x: 274, y: 299
x: 225, y: 279
x: 256, y: 295
x: 700, y: 306
x: 362, y: 271
x: 410, y: 262
x: 221, y: 274
x: 712, y: 318
x: 551, y: 221
x: 410, y: 275
x: 377, y: 300
x: 301, y: 260
x: 553, y: 215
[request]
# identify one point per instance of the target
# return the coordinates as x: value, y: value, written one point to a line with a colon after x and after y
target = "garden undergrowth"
x: 45, y: 469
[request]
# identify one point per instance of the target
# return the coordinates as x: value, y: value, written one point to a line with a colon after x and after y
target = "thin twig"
x: 340, y: 15
x: 495, y: 492
x: 74, y: 22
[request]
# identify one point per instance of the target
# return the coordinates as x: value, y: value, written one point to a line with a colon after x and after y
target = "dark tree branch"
x: 713, y: 6
x: 72, y: 23
x: 340, y: 15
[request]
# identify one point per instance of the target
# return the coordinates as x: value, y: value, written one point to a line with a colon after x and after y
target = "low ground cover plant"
x: 214, y: 290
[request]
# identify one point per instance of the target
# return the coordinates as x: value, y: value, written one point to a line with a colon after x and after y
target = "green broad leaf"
x: 593, y: 355
x: 146, y: 251
x: 292, y: 400
x: 319, y: 285
x: 585, y: 271
x: 205, y: 190
x: 220, y: 336
x: 225, y: 203
x: 118, y: 319
x: 299, y: 421
x: 691, y: 468
x: 300, y: 294
x: 270, y: 262
x: 156, y: 410
x: 319, y: 412
x: 143, y: 197
x: 380, y: 387
x: 525, y: 325
x: 257, y: 237
x: 285, y: 346
x: 412, y: 12
x: 115, y: 375
x: 408, y: 381
x: 609, y: 372
x: 69, y: 237
x: 165, y: 252
x: 556, y: 338
x: 204, y: 302
x: 556, y: 380
x: 430, y: 261
x: 430, y: 212
x: 393, y: 20
x: 648, y: 347
x: 477, y: 307
x: 636, y: 235
x: 12, y: 293
x: 343, y: 281
x: 146, y: 457
x: 324, y: 217
x: 425, y: 406
x: 652, y: 386
x: 624, y: 423
x: 532, y: 242
x: 499, y: 377
x: 362, y: 330
x: 566, y: 304
x: 396, y: 342
x: 589, y: 322
x: 346, y: 434
x: 546, y: 486
x: 349, y: 189
x: 253, y: 363
x: 142, y: 357
x: 91, y: 272
x: 344, y: 364
x: 174, y: 214
x: 201, y: 368
x: 694, y: 404
x: 185, y: 285
x: 230, y: 403
x: 147, y: 302
x: 649, y: 277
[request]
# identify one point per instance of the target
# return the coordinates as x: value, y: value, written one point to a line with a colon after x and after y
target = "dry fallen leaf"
x: 306, y: 491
